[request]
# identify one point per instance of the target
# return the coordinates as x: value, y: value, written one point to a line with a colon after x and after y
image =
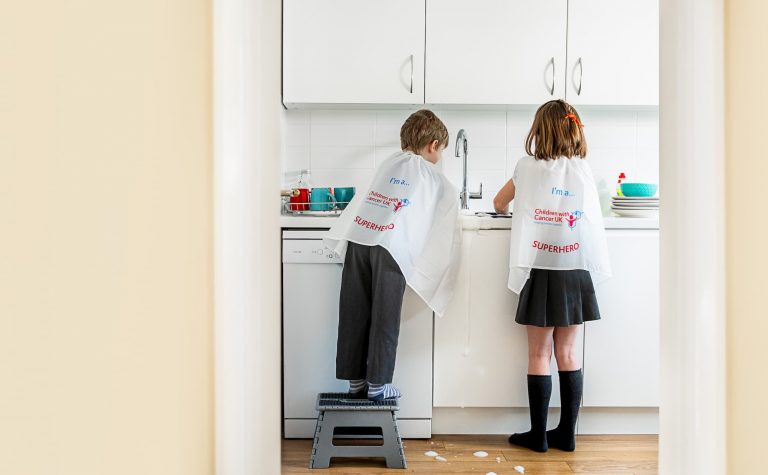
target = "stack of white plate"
x: 632, y: 207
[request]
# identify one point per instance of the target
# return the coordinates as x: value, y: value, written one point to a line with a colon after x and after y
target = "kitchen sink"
x: 492, y: 214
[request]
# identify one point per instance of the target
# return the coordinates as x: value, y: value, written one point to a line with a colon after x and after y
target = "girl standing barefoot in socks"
x: 557, y: 246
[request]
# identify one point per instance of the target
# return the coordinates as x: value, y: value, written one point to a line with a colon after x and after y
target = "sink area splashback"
x: 342, y: 147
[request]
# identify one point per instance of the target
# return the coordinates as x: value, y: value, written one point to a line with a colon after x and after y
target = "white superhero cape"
x: 557, y: 222
x: 411, y: 210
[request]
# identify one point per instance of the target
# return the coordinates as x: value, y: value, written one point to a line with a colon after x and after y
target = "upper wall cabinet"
x: 495, y: 51
x: 476, y: 52
x: 353, y: 52
x: 613, y: 52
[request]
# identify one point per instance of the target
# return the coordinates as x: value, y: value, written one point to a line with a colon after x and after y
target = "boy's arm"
x: 504, y: 197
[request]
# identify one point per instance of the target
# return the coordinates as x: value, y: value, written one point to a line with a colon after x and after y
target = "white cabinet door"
x: 613, y: 52
x: 413, y: 365
x: 621, y: 354
x: 481, y: 354
x: 353, y: 52
x: 495, y: 51
x: 310, y: 327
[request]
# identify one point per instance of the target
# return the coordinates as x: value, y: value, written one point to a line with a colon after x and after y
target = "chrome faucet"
x: 461, y: 147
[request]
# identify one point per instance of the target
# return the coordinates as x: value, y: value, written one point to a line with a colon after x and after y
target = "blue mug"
x: 322, y: 199
x: 343, y: 196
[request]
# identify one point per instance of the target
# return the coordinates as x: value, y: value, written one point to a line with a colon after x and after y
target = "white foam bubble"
x: 481, y: 453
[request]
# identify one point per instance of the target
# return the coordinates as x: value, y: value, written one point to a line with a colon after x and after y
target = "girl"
x: 557, y: 245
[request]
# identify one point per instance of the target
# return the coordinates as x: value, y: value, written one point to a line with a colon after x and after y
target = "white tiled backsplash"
x: 342, y: 147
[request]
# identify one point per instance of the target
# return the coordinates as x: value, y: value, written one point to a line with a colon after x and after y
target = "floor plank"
x: 594, y: 455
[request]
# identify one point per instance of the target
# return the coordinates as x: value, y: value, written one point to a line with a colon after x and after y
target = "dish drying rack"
x: 305, y: 209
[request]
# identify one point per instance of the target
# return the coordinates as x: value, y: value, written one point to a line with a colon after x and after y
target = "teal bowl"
x: 639, y: 189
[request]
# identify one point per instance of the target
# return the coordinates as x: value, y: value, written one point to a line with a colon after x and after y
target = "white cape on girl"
x: 557, y: 222
x: 412, y: 211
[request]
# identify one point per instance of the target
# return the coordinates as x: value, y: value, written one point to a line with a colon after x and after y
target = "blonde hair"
x: 556, y: 132
x: 421, y: 129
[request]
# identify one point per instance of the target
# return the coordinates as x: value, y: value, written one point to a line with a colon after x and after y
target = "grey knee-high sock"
x: 571, y: 388
x: 539, y: 392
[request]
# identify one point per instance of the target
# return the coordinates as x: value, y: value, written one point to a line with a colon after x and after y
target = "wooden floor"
x: 595, y: 455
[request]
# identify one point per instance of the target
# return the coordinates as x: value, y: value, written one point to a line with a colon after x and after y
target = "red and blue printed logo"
x: 401, y: 203
x: 574, y: 218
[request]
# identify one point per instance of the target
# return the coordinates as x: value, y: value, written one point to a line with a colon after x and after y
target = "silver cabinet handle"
x: 552, y: 89
x: 411, y: 74
x: 581, y: 76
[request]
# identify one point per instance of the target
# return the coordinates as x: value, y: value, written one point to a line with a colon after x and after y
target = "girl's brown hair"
x: 421, y: 129
x: 556, y: 132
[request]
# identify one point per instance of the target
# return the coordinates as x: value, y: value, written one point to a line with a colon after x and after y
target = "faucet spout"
x: 461, y: 151
x: 461, y: 143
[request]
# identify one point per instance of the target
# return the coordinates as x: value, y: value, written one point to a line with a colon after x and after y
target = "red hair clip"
x: 575, y: 119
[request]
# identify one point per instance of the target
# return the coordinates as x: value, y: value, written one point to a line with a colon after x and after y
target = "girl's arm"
x: 504, y: 197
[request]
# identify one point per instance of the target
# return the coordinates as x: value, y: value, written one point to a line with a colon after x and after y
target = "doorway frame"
x: 246, y: 39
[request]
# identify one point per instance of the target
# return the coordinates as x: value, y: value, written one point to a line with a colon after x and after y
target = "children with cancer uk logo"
x: 375, y: 198
x: 381, y: 200
x: 556, y: 218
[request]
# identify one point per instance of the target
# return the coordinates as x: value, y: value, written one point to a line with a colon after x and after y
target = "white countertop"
x: 468, y: 222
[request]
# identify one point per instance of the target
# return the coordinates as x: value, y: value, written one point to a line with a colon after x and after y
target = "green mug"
x: 322, y: 199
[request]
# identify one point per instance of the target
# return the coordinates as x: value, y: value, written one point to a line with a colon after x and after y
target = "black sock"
x: 539, y: 391
x: 571, y: 387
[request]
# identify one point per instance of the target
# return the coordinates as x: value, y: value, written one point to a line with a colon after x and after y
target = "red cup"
x: 300, y: 199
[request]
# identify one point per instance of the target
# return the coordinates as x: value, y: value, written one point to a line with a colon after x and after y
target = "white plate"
x: 642, y: 205
x: 635, y: 198
x: 637, y: 213
x: 638, y: 205
x: 633, y: 202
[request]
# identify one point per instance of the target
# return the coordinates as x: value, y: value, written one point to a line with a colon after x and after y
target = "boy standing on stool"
x: 403, y: 231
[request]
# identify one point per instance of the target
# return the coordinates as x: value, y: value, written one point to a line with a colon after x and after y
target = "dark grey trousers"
x: 371, y: 300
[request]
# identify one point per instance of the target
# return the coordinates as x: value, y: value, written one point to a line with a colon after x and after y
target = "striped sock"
x: 356, y: 386
x: 378, y: 392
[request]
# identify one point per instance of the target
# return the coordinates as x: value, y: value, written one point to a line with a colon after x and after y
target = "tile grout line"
x: 309, y: 159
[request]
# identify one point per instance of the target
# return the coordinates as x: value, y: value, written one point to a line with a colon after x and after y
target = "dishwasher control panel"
x: 308, y: 251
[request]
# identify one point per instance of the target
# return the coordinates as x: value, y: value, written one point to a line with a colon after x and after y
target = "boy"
x: 403, y: 230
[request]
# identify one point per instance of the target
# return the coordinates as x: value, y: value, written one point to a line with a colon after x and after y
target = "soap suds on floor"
x: 441, y: 459
x: 431, y: 453
x: 520, y: 468
x: 481, y: 453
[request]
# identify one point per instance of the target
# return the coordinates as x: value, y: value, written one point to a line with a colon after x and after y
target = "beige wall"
x: 105, y: 237
x: 747, y: 232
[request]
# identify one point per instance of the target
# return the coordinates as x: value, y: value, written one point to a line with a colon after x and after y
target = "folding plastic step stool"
x: 339, y: 410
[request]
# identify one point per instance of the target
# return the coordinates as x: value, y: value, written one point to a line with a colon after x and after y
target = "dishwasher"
x: 311, y: 279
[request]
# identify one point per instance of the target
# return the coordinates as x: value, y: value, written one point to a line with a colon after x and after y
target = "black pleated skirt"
x: 557, y: 298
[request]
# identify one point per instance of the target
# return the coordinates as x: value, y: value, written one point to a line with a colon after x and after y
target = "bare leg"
x: 539, y: 349
x: 565, y: 348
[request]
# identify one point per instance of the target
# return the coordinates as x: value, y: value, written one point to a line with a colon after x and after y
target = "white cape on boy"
x: 412, y: 211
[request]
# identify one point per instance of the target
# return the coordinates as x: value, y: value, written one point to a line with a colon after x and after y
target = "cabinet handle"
x: 411, y: 74
x: 581, y: 75
x: 552, y: 89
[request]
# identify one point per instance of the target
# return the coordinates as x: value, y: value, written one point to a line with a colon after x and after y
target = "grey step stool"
x: 339, y: 410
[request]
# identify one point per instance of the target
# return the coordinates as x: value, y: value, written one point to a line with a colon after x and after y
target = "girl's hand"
x: 505, y: 196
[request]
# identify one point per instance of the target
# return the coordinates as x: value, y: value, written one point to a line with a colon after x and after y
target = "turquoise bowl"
x: 639, y: 189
